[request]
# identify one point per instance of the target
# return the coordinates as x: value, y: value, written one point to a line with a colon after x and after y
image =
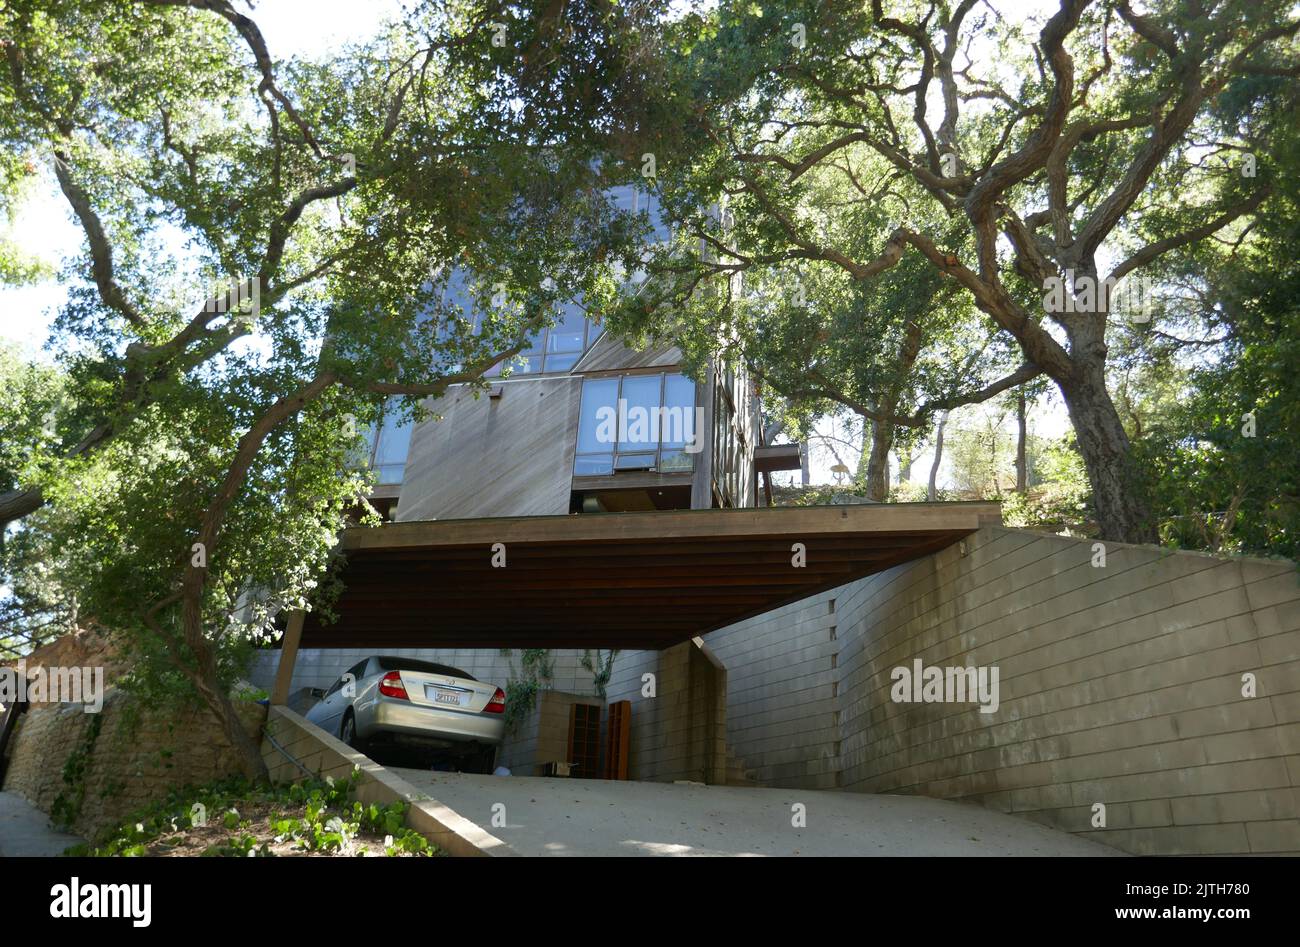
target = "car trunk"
x: 445, y: 692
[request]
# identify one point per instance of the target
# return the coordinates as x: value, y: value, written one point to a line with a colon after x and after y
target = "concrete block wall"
x: 680, y: 732
x: 783, y: 671
x: 542, y: 736
x: 1119, y: 685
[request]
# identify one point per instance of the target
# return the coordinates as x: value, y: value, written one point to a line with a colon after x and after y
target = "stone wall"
x: 1119, y: 685
x: 136, y: 756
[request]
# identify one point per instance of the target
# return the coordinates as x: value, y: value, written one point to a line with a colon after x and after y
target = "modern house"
x: 598, y: 499
x: 583, y: 424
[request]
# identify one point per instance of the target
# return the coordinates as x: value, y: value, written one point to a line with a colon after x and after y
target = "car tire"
x: 348, y: 731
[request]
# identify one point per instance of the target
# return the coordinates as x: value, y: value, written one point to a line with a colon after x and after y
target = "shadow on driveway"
x: 598, y: 817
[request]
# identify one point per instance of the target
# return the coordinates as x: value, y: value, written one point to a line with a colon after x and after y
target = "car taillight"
x: 392, y: 686
x: 497, y: 705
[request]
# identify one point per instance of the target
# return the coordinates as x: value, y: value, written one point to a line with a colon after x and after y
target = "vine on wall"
x: 601, y: 666
x: 537, y: 670
x: 67, y: 804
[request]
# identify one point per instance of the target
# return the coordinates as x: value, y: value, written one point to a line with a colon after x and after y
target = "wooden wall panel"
x: 612, y: 353
x: 508, y: 456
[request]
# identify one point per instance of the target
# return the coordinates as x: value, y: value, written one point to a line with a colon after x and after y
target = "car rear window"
x: 427, y: 667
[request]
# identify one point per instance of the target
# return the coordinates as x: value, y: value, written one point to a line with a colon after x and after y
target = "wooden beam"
x: 783, y: 523
x: 776, y: 457
x: 612, y: 580
x: 288, y: 657
x: 636, y: 555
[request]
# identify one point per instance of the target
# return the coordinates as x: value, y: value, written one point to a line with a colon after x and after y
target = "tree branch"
x: 1153, y: 250
x: 101, y: 253
x: 1024, y: 373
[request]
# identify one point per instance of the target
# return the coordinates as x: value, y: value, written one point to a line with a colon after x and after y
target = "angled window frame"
x: 633, y: 457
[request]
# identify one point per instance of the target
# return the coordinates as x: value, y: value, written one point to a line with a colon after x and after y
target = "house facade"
x: 582, y: 423
x: 578, y: 422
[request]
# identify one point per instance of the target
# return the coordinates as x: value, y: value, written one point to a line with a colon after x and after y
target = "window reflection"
x: 388, y: 447
x: 550, y: 349
x: 641, y: 393
x: 597, y: 393
x: 636, y: 422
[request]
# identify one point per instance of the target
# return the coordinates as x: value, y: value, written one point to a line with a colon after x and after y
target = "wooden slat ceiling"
x: 614, y: 580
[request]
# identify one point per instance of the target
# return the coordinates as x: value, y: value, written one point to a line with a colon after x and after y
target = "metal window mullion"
x: 659, y: 418
x: 618, y: 421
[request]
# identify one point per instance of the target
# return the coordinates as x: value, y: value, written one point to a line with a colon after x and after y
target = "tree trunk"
x: 1022, y: 468
x: 882, y: 437
x: 205, y: 680
x: 250, y: 754
x: 931, y: 493
x: 805, y: 471
x: 1121, y: 514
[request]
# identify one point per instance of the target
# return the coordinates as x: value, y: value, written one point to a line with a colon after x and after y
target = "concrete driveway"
x: 597, y: 817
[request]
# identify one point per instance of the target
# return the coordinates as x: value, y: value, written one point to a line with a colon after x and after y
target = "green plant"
x: 67, y: 804
x: 601, y: 666
x: 537, y: 670
x: 312, y: 815
x: 521, y: 698
x: 1061, y: 502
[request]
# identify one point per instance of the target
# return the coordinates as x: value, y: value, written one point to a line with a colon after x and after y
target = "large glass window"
x: 679, y: 399
x: 637, y: 422
x: 554, y: 348
x: 557, y: 348
x: 594, y: 455
x: 389, y: 446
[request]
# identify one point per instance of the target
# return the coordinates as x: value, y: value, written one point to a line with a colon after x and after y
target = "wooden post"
x: 288, y: 656
x: 702, y: 481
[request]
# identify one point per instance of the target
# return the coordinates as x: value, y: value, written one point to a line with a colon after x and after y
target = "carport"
x: 617, y: 580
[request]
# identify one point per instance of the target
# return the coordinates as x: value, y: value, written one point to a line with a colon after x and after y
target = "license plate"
x: 454, y: 698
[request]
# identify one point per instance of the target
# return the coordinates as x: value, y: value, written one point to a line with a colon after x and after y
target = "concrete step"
x: 737, y: 773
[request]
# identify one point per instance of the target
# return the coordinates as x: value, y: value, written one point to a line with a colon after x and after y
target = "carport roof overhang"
x: 614, y: 580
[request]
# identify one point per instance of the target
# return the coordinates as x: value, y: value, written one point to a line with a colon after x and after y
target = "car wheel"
x: 348, y: 730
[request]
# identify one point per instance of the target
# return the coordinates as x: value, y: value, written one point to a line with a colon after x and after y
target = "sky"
x: 43, y: 225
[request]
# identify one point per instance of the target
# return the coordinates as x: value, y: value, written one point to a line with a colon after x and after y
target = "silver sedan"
x: 407, y: 702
